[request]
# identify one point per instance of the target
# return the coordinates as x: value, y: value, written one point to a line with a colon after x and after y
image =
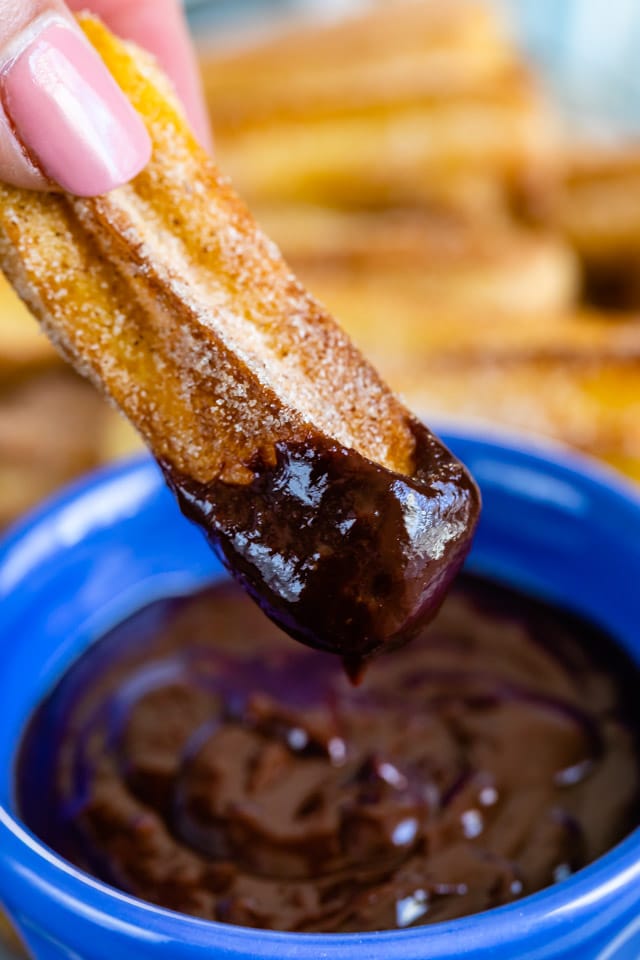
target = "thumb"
x: 64, y: 121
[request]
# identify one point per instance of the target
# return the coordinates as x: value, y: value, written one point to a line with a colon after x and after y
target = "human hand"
x: 64, y: 121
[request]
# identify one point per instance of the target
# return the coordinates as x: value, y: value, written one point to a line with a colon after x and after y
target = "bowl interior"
x: 552, y: 524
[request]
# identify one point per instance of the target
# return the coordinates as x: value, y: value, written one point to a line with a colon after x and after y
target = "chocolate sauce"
x: 200, y: 760
x: 343, y: 554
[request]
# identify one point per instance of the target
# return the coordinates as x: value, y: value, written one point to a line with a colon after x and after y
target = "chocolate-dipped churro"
x: 340, y: 513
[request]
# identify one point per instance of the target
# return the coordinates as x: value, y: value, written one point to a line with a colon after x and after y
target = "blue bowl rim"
x: 31, y: 865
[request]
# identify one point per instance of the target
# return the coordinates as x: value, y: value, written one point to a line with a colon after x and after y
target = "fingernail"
x: 70, y: 114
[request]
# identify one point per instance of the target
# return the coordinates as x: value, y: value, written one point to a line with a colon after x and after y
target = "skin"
x: 157, y: 25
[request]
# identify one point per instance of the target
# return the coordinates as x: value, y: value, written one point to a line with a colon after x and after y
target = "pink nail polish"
x: 70, y: 114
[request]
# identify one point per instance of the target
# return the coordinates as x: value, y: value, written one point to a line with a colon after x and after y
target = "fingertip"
x: 88, y: 141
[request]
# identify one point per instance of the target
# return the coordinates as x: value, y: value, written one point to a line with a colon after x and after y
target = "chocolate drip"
x: 343, y: 554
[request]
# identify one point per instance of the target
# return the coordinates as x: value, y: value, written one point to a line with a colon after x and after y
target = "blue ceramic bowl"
x: 553, y: 524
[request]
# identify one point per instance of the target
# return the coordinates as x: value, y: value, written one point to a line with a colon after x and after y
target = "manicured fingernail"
x: 70, y: 114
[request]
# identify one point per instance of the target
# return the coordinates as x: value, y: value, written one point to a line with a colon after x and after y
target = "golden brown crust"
x: 167, y: 294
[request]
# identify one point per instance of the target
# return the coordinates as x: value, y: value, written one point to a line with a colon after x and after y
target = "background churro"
x: 597, y: 209
x: 408, y: 102
x: 493, y: 279
x: 53, y: 424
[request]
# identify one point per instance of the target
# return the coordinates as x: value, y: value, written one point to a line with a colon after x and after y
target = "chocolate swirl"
x: 199, y: 759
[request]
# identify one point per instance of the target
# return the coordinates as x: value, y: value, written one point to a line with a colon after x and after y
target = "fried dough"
x: 355, y: 260
x: 402, y: 103
x: 339, y: 512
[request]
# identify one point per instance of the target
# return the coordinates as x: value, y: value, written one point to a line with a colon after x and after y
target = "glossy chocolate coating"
x: 343, y: 554
x: 198, y: 759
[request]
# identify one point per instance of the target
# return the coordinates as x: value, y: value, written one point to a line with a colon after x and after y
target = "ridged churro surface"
x: 167, y: 293
x: 339, y: 512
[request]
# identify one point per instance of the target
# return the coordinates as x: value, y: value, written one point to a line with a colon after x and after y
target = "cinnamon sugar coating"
x: 255, y: 403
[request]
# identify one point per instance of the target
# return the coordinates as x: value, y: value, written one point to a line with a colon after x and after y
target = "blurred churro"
x: 390, y: 52
x: 51, y: 425
x: 23, y: 346
x: 573, y: 377
x: 448, y: 341
x: 599, y: 206
x: 598, y: 210
x: 407, y: 102
x: 358, y: 263
x: 308, y: 474
x: 401, y: 153
x: 593, y: 405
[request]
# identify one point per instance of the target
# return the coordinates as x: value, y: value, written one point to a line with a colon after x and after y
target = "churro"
x: 401, y: 153
x: 590, y: 404
x: 597, y: 208
x: 52, y: 425
x: 338, y: 511
x: 403, y: 103
x: 387, y: 53
x: 355, y: 260
x: 573, y: 377
x: 23, y: 347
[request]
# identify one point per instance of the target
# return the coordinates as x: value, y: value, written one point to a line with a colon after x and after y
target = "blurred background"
x: 458, y: 180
